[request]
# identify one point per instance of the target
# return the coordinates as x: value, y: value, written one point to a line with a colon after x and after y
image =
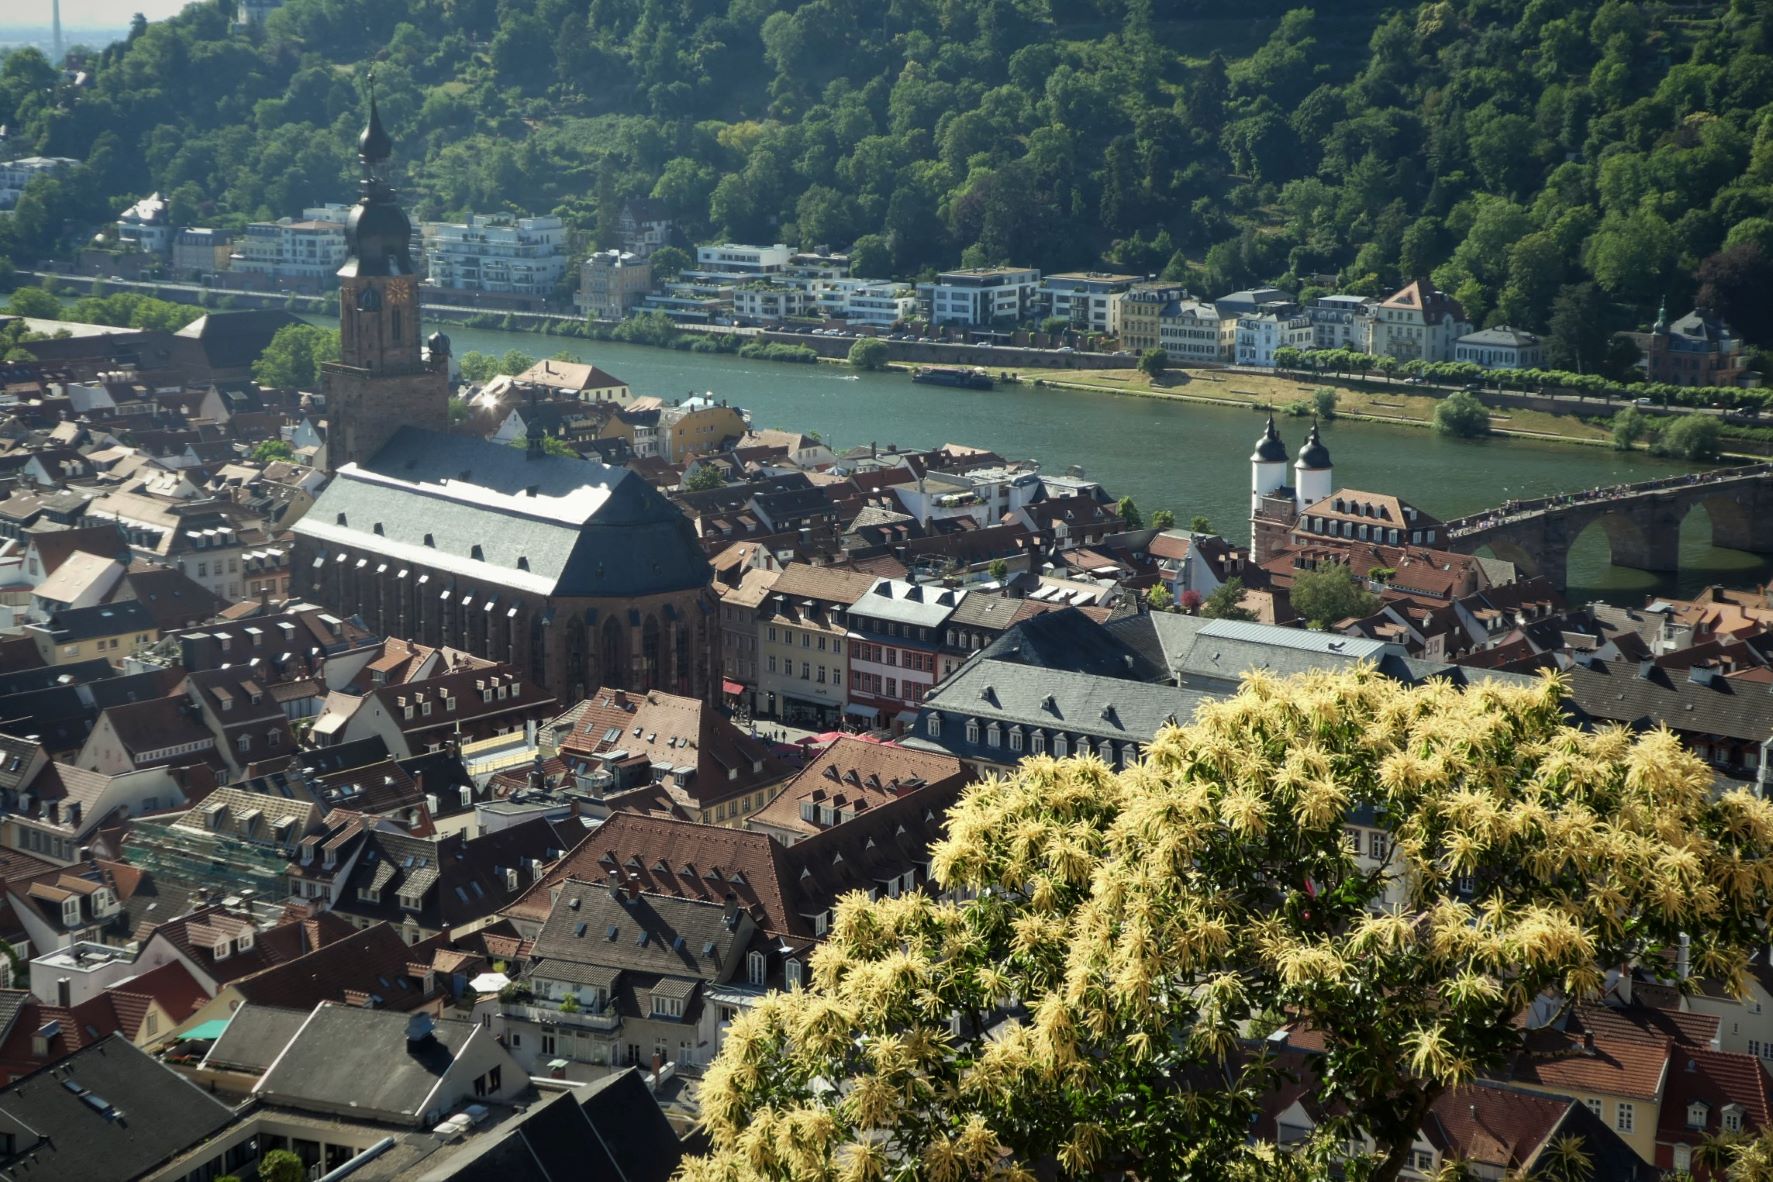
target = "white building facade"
x: 984, y: 295
x: 497, y: 253
x: 310, y: 249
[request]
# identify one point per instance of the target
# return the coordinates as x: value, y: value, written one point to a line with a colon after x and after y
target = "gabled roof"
x: 372, y: 963
x: 253, y: 1039
x: 851, y: 776
x: 682, y: 859
x: 109, y: 1111
x: 592, y: 923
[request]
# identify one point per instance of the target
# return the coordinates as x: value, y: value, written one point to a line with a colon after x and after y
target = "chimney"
x: 64, y: 992
x: 418, y: 1029
x: 1588, y: 1042
x: 634, y: 886
x: 1683, y: 958
x: 732, y: 911
x: 658, y: 1065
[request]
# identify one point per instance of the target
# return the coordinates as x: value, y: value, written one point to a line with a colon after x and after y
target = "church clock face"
x: 368, y: 299
x: 399, y: 294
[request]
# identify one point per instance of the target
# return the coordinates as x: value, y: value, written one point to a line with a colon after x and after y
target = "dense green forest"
x: 1583, y: 158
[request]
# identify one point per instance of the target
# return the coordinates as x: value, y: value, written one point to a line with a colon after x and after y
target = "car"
x: 1473, y: 387
x: 1413, y: 380
x: 1643, y: 402
x: 1065, y: 349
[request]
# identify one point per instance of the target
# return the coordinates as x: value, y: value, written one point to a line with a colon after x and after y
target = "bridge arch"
x: 1630, y: 543
x: 1733, y: 525
x: 1511, y: 551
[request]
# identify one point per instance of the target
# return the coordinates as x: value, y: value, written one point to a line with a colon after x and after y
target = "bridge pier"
x: 1744, y: 522
x: 1653, y: 546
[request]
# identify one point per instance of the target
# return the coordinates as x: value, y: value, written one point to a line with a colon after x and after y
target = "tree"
x: 1461, y: 415
x: 1158, y: 597
x: 1329, y: 594
x: 1629, y: 426
x: 1200, y: 523
x: 293, y: 358
x: 1190, y: 601
x: 1578, y: 337
x: 1323, y: 402
x: 280, y: 1165
x: 1130, y: 515
x: 272, y: 449
x: 515, y: 361
x: 1737, y: 284
x: 998, y: 569
x: 1143, y: 919
x: 1690, y: 437
x: 34, y: 303
x: 1055, y: 325
x: 1163, y: 519
x: 477, y: 367
x: 868, y: 353
x: 704, y: 478
x: 1226, y: 602
x: 669, y: 261
x: 1153, y: 362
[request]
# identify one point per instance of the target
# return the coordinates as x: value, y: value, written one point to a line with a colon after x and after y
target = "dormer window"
x: 934, y: 726
x: 243, y: 942
x: 756, y: 968
x: 972, y: 730
x: 1696, y: 1114
x: 1732, y: 1118
x: 791, y: 973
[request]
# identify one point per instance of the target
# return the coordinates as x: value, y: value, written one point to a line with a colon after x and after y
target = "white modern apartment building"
x: 307, y: 250
x: 879, y: 304
x: 765, y: 300
x: 1274, y: 326
x: 982, y: 295
x: 497, y: 253
x: 16, y: 174
x: 146, y: 226
x: 1090, y: 300
x: 734, y: 258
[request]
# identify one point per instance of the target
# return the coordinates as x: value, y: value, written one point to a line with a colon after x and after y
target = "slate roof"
x: 1070, y: 641
x: 462, y: 879
x: 230, y: 340
x: 254, y: 1037
x: 1642, y: 695
x: 109, y: 1111
x: 105, y: 619
x: 593, y: 924
x: 553, y: 526
x: 347, y: 1058
x: 608, y: 1131
x: 1054, y: 701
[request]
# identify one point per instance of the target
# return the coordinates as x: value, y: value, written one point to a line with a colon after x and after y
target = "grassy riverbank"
x: 1400, y: 405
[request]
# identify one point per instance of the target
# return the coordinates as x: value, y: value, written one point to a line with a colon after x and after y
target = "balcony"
x: 550, y: 1014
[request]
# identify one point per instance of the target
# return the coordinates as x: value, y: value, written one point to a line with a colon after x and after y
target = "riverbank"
x: 1401, y: 406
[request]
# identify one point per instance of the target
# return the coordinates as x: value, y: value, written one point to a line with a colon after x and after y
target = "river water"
x: 1187, y: 457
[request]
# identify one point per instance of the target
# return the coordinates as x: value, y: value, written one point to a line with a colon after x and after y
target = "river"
x: 1187, y: 457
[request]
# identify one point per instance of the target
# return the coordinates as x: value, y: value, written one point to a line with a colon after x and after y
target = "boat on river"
x: 963, y: 376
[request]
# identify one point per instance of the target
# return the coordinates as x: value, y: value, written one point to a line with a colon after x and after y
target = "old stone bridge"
x: 1642, y: 522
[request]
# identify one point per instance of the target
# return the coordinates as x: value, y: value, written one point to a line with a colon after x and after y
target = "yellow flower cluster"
x: 1085, y: 995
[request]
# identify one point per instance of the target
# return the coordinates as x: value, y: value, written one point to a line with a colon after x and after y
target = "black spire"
x: 1314, y: 454
x: 374, y: 146
x: 377, y: 233
x: 1269, y: 448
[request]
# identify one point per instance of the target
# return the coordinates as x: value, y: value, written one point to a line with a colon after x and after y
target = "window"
x: 244, y: 742
x: 806, y: 671
x: 791, y: 972
x: 1037, y: 742
x: 1696, y: 1114
x: 1732, y: 1119
x: 1422, y: 1160
x: 756, y: 965
x: 772, y: 664
x: 1625, y: 1117
x: 1015, y: 738
x: 1061, y: 746
x: 933, y: 725
x: 667, y: 1007
x: 806, y: 640
x: 1683, y: 1157
x: 972, y: 730
x: 1378, y: 844
x: 772, y: 636
x: 993, y: 735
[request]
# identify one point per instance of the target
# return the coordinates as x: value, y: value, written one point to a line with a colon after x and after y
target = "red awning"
x: 732, y: 687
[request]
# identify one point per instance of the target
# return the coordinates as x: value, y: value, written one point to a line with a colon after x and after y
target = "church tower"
x: 382, y: 380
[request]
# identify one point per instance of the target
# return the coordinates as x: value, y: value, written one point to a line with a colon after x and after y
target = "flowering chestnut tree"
x: 1080, y: 1001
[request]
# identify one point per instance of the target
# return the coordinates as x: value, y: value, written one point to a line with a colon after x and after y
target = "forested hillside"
x: 1515, y: 149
